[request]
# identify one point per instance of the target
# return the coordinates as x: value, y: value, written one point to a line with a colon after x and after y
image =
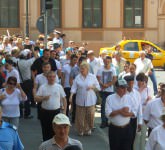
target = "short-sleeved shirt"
x: 37, y: 65
x: 13, y: 73
x: 10, y: 105
x: 152, y: 113
x: 55, y: 91
x: 106, y: 76
x: 52, y: 145
x: 25, y: 68
x: 66, y: 69
x: 9, y: 139
x: 74, y: 71
x: 156, y: 139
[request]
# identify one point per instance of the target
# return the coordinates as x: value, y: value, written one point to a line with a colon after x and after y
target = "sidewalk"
x: 31, y: 136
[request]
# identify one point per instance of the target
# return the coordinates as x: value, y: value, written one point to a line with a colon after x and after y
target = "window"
x: 133, y: 13
x: 55, y: 12
x: 131, y: 46
x: 9, y: 13
x: 92, y: 13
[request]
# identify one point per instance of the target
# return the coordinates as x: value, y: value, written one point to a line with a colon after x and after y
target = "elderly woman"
x: 157, y: 136
x: 84, y: 85
x: 10, y: 98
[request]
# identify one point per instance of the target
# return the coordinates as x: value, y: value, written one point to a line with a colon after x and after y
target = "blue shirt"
x: 9, y: 139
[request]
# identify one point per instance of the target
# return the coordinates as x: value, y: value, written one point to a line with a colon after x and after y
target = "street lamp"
x: 27, y: 18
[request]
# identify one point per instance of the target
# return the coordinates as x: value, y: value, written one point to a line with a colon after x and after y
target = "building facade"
x: 98, y: 22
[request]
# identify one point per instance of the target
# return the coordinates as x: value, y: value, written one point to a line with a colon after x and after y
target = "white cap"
x: 60, y: 119
x: 57, y: 32
x: 25, y: 52
x: 90, y: 52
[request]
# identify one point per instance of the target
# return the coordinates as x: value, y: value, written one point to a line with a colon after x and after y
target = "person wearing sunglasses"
x: 10, y: 98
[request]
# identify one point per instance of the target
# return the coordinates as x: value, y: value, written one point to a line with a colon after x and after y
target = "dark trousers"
x: 27, y: 87
x: 46, y: 119
x: 120, y: 138
x: 73, y: 108
x: 133, y: 124
x: 67, y: 92
x: 104, y: 95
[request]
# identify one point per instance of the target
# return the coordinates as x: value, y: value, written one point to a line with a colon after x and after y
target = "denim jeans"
x: 154, y: 81
x: 104, y: 95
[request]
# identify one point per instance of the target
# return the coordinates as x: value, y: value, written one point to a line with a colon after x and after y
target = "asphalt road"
x: 30, y: 130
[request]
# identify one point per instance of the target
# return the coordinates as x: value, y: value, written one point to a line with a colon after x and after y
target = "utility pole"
x: 27, y: 18
x: 48, y: 5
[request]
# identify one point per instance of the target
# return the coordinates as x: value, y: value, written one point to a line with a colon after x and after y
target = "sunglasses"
x: 12, y: 83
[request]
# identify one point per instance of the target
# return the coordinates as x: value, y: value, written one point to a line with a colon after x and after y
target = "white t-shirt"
x: 10, y: 105
x: 156, y: 139
x: 95, y: 64
x: 153, y: 111
x: 55, y: 91
x: 14, y: 73
x: 107, y: 76
x: 66, y: 71
x: 41, y: 79
x: 25, y: 67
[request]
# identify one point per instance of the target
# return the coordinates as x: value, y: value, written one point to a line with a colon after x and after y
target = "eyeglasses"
x: 12, y: 83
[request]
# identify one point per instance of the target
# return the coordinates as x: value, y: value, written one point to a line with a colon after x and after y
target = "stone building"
x: 99, y: 22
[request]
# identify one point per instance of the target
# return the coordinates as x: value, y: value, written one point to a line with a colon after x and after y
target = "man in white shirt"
x: 106, y: 76
x: 66, y: 76
x: 51, y: 95
x: 119, y: 109
x: 157, y: 136
x: 93, y: 61
x: 154, y: 110
x: 143, y: 64
x: 60, y: 140
x: 135, y: 95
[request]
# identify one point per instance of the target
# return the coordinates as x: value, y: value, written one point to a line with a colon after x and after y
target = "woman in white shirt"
x: 146, y: 96
x: 10, y: 98
x: 157, y: 136
x: 84, y: 85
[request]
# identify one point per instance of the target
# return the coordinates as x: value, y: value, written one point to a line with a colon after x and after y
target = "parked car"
x: 130, y: 50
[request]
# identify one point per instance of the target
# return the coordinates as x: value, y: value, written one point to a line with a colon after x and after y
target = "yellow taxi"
x: 130, y: 50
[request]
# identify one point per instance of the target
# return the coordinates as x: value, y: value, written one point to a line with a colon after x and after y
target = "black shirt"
x: 37, y: 65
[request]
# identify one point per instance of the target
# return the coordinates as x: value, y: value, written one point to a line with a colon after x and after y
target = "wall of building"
x: 112, y: 31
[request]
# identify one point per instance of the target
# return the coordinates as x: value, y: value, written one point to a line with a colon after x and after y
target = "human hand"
x: 125, y: 109
x: 46, y: 97
x: 139, y: 127
x: 90, y: 88
x: 3, y: 96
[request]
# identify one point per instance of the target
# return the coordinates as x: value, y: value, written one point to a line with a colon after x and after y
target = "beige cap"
x: 60, y: 119
x: 90, y: 52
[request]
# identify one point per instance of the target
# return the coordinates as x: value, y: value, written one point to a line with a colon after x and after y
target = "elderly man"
x: 9, y: 138
x: 52, y: 97
x: 144, y: 64
x: 119, y: 108
x: 60, y: 140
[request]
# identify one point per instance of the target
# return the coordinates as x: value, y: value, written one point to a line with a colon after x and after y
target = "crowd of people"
x: 64, y: 83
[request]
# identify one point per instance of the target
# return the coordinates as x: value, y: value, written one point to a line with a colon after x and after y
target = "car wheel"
x: 164, y: 67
